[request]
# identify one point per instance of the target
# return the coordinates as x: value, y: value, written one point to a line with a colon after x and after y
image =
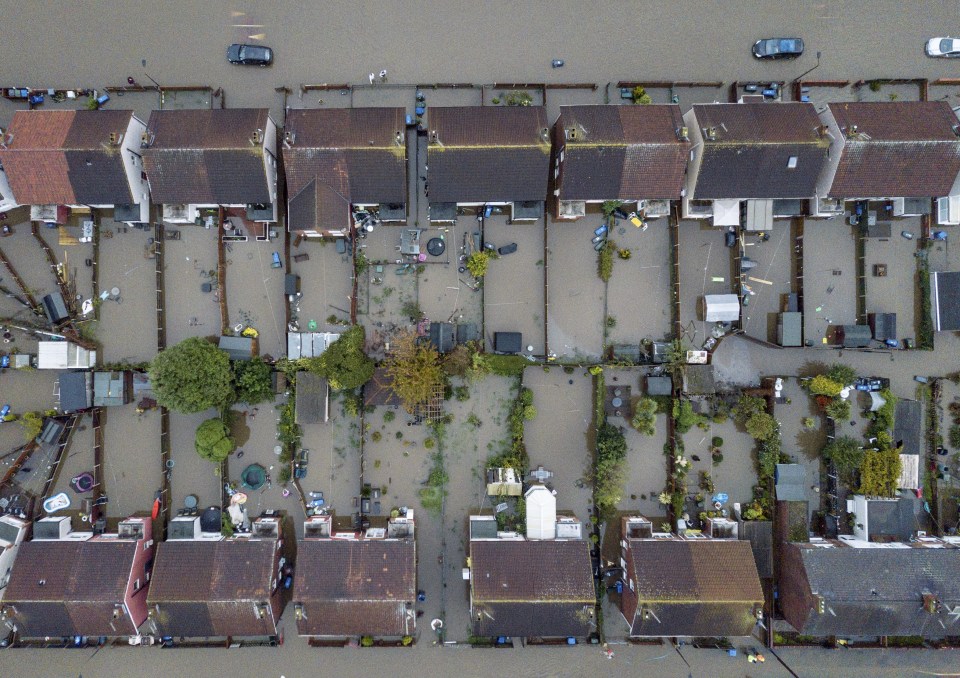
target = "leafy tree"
x: 414, y: 369
x: 32, y: 423
x: 838, y: 409
x: 824, y: 385
x: 213, y: 441
x: 645, y: 416
x: 684, y: 416
x: 478, y: 262
x: 253, y: 381
x: 842, y: 374
x: 192, y: 376
x: 846, y: 453
x: 611, y: 444
x: 761, y: 426
x: 880, y: 472
x: 344, y: 364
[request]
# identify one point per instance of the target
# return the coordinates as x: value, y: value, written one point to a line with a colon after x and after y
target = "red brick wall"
x: 628, y: 601
x: 796, y: 601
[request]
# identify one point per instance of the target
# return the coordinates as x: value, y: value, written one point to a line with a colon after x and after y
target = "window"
x: 792, y: 162
x: 136, y: 585
x: 631, y: 586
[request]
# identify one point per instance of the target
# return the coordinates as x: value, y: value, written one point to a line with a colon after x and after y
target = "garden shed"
x: 659, y: 386
x: 541, y: 507
x: 313, y: 399
x: 945, y: 295
x: 75, y: 392
x: 721, y: 307
x: 238, y: 348
x: 63, y: 355
x: 854, y: 336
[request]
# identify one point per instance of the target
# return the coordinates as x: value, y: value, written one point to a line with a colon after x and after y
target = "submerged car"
x: 778, y: 48
x: 943, y: 47
x: 250, y: 55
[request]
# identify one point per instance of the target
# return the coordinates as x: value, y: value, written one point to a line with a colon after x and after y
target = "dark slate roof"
x: 899, y: 149
x: 208, y: 588
x: 206, y: 156
x: 908, y: 426
x: 343, y: 156
x: 356, y: 587
x: 74, y: 391
x: 311, y: 398
x: 945, y: 290
x: 531, y: 588
x: 896, y: 520
x: 791, y: 482
x: 622, y: 152
x: 82, y: 581
x: 707, y: 587
x: 488, y: 153
x: 878, y: 592
x: 754, y: 143
x: 65, y: 157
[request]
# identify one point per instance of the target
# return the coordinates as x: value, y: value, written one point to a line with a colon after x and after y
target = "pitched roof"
x: 207, y: 588
x: 695, y: 587
x: 66, y: 157
x: 65, y: 588
x: 899, y: 149
x: 752, y: 148
x: 343, y: 156
x: 356, y: 587
x: 488, y: 154
x: 945, y: 290
x: 531, y: 588
x: 622, y: 152
x: 879, y: 591
x: 206, y: 156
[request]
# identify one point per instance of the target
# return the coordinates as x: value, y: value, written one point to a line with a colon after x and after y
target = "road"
x: 183, y: 41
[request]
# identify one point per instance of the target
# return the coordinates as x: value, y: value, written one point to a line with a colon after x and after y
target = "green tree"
x: 838, y: 409
x: 213, y: 441
x: 746, y: 407
x: 761, y: 426
x: 824, y: 385
x: 842, y: 374
x: 645, y: 416
x: 684, y: 416
x: 253, y: 381
x: 414, y: 370
x: 344, y: 364
x: 192, y: 376
x: 846, y: 453
x: 880, y: 472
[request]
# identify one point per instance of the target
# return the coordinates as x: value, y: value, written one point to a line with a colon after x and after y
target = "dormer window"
x: 792, y: 162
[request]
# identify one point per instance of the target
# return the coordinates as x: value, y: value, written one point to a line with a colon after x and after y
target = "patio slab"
x: 189, y: 263
x: 127, y: 331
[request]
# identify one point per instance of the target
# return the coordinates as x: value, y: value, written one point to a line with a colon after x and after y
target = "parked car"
x: 778, y: 48
x: 249, y: 55
x: 943, y: 47
x: 872, y: 383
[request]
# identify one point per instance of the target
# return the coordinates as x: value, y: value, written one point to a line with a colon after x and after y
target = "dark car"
x: 778, y: 48
x: 250, y: 55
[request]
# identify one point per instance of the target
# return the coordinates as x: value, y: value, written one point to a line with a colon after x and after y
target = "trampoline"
x: 436, y: 246
x: 210, y: 520
x: 82, y: 482
x: 253, y: 477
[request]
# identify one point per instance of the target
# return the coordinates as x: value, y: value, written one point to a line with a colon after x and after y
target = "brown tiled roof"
x: 342, y: 156
x: 695, y: 587
x: 209, y: 588
x: 356, y: 587
x: 753, y: 146
x: 622, y: 152
x: 531, y: 588
x: 206, y: 156
x: 64, y: 588
x: 899, y: 149
x: 65, y: 157
x: 488, y: 153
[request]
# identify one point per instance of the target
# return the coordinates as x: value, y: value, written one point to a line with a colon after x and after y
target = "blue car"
x: 5, y: 361
x: 4, y: 411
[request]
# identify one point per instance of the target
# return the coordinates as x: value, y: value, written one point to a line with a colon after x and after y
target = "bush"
x: 716, y: 441
x: 746, y: 407
x: 842, y: 374
x: 479, y: 261
x: 389, y: 416
x: 605, y: 260
x: 824, y: 385
x: 684, y: 416
x: 32, y: 424
x: 429, y: 443
x: 253, y: 380
x: 838, y: 410
x: 213, y: 441
x: 846, y: 454
x: 955, y: 436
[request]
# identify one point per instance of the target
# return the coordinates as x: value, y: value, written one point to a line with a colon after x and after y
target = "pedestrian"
x: 372, y: 77
x: 751, y: 657
x: 761, y: 658
x: 383, y: 75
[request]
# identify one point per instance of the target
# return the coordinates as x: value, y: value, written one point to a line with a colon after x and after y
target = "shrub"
x: 842, y: 374
x: 624, y: 253
x: 517, y: 98
x: 717, y: 458
x: 414, y: 369
x: 411, y: 310
x: 645, y: 416
x: 253, y: 380
x: 838, y: 410
x: 505, y: 365
x: 479, y: 261
x: 640, y: 95
x: 376, y: 436
x: 761, y: 426
x: 529, y: 412
x: 344, y: 364
x: 366, y: 641
x: 684, y: 416
x: 611, y: 321
x: 883, y: 417
x: 879, y: 472
x: 461, y: 393
x: 605, y: 260
x: 824, y: 385
x: 32, y: 424
x: 955, y: 436
x: 746, y: 407
x: 389, y: 416
x: 846, y: 454
x: 716, y: 441
x: 608, y: 207
x: 429, y: 443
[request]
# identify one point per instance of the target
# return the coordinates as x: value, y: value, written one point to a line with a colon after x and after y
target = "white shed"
x: 63, y: 355
x: 721, y: 307
x: 541, y: 513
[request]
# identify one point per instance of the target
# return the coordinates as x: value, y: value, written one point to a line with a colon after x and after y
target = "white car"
x: 943, y: 47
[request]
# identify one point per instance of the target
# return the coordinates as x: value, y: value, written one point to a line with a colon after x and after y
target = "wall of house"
x: 834, y: 153
x: 270, y: 161
x: 796, y: 600
x: 696, y: 154
x: 277, y: 601
x: 6, y: 193
x: 555, y: 183
x: 133, y: 166
x: 136, y: 599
